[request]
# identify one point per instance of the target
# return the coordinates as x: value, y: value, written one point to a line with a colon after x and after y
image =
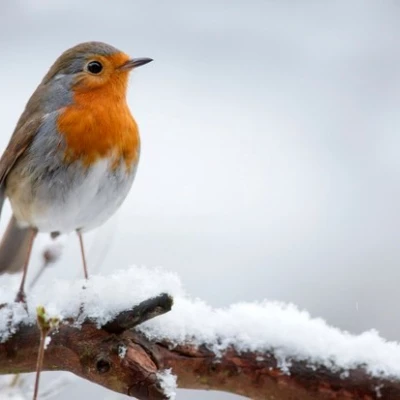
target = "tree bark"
x: 122, y: 359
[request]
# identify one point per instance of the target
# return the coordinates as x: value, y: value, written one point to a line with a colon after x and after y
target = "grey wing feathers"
x: 15, y: 242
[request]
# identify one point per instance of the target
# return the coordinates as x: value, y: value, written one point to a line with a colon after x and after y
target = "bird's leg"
x: 85, y: 271
x: 21, y: 298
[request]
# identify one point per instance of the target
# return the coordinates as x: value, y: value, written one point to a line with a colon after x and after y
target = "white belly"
x: 73, y: 199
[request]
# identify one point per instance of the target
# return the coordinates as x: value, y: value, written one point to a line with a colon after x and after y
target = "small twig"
x: 15, y: 380
x: 144, y: 311
x: 50, y: 256
x: 46, y: 325
x: 39, y: 364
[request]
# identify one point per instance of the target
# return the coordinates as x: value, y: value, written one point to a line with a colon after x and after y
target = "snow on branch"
x: 258, y: 350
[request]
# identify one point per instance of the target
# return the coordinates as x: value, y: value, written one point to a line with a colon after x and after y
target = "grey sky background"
x: 270, y: 141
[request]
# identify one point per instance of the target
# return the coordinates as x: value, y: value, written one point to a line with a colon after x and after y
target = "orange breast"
x: 99, y: 124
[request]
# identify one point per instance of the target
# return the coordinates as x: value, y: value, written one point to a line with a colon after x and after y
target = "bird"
x: 73, y: 155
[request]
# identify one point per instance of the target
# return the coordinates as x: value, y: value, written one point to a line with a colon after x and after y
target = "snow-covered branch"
x: 265, y: 350
x: 106, y: 355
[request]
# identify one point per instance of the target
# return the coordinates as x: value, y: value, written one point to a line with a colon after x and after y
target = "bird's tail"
x: 14, y: 247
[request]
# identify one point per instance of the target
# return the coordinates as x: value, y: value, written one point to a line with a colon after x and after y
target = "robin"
x: 73, y: 155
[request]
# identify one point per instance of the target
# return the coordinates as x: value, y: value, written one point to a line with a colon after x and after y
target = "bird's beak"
x: 134, y: 63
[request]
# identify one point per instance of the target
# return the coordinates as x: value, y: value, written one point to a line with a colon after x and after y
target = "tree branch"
x: 125, y: 361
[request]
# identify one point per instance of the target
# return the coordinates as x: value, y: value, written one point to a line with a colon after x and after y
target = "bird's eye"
x: 94, y: 67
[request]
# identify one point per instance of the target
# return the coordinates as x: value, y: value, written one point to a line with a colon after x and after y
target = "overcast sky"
x: 270, y: 142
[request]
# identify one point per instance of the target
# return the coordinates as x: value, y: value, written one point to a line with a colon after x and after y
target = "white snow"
x: 11, y: 390
x: 122, y: 350
x: 378, y: 391
x: 12, y: 394
x: 47, y: 341
x: 20, y: 387
x: 265, y: 326
x: 168, y: 383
